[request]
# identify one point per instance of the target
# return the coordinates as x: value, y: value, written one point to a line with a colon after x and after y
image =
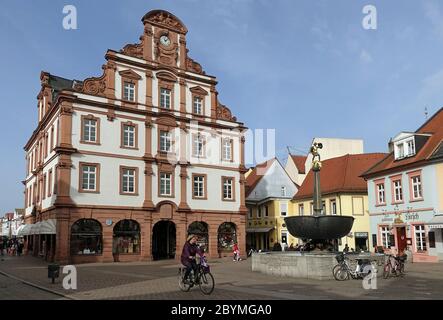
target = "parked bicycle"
x: 394, y: 266
x: 344, y: 271
x: 203, y: 278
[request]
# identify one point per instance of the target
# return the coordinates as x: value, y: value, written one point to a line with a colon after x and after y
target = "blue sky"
x: 306, y: 68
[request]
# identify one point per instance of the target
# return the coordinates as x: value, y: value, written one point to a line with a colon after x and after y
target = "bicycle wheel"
x: 185, y: 287
x: 340, y: 273
x: 206, y: 283
x: 387, y: 270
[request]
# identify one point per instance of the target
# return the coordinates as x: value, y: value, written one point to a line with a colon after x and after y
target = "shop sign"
x: 361, y: 234
x: 108, y: 222
x: 387, y: 219
x: 412, y: 216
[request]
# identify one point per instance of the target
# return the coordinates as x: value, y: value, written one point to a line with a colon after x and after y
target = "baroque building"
x: 122, y: 167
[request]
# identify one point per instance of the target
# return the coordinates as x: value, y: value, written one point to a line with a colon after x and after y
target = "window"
x: 385, y: 234
x: 259, y: 212
x: 284, y: 237
x: 128, y: 180
x: 227, y: 236
x: 250, y: 213
x: 129, y: 138
x: 227, y: 149
x: 411, y: 147
x: 416, y: 188
x: 398, y: 193
x: 381, y: 199
x: 333, y: 207
x: 199, y: 186
x: 301, y: 209
x: 165, y: 98
x: 165, y: 141
x: 52, y: 138
x: 228, y: 188
x: 311, y: 209
x: 129, y: 91
x: 198, y: 146
x: 283, y: 191
x: 198, y: 105
x: 126, y: 237
x: 90, y: 129
x: 283, y: 209
x: 431, y: 236
x: 165, y: 184
x: 420, y: 238
x: 400, y: 151
x: 86, y: 237
x: 50, y: 183
x: 44, y: 187
x: 89, y: 174
x: 266, y: 211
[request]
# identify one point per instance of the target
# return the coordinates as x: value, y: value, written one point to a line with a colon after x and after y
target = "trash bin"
x: 53, y: 271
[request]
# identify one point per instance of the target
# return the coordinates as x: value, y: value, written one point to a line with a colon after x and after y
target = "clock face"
x: 165, y: 40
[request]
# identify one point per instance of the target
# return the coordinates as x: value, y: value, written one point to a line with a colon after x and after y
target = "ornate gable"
x: 166, y: 20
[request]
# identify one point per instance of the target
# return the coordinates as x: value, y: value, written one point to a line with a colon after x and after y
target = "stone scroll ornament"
x: 133, y: 50
x: 94, y: 86
x: 223, y: 113
x: 193, y: 66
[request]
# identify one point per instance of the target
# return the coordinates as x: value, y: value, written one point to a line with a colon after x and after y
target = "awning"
x: 259, y: 230
x: 24, y: 230
x: 43, y: 227
x: 436, y: 222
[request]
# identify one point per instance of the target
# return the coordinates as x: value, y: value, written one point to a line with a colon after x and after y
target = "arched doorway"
x: 200, y: 229
x: 227, y: 236
x: 163, y: 240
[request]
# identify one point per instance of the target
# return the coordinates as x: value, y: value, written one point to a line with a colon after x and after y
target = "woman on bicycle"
x: 190, y: 250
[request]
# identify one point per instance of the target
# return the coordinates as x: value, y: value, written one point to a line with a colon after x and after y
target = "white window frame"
x: 416, y: 188
x: 420, y: 238
x: 165, y: 183
x: 198, y: 105
x: 90, y: 130
x: 284, y: 204
x: 128, y: 180
x: 165, y: 98
x: 199, y: 186
x: 128, y: 91
x: 128, y: 133
x: 89, y: 173
x: 227, y: 149
x: 381, y: 195
x: 301, y: 209
x: 333, y: 207
x: 228, y: 184
x: 411, y: 147
x: 165, y: 141
x: 385, y: 236
x: 398, y: 191
x: 198, y: 146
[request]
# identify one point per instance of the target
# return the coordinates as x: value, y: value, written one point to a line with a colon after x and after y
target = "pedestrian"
x: 346, y: 248
x: 20, y: 248
x: 236, y: 252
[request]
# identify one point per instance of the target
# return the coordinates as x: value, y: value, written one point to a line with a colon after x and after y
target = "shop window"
x: 200, y: 229
x: 431, y: 236
x: 86, y: 237
x: 126, y: 237
x: 227, y: 236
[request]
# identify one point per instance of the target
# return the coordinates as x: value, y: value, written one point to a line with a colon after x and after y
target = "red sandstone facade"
x: 146, y: 149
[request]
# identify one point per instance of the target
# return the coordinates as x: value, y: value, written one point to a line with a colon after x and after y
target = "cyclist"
x: 188, y: 257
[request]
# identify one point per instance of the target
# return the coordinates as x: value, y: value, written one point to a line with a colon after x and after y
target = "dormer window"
x: 405, y: 148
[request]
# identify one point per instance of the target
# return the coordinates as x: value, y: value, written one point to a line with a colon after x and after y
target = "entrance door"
x: 401, y: 239
x: 163, y: 240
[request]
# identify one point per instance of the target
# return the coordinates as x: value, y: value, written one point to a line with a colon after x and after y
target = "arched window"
x: 200, y: 229
x: 227, y: 236
x: 86, y: 237
x: 126, y: 238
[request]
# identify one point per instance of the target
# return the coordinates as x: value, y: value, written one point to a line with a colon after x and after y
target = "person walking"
x: 236, y: 252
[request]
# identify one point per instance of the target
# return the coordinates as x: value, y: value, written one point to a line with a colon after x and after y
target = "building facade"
x: 122, y: 167
x: 344, y: 192
x: 406, y: 194
x: 269, y: 190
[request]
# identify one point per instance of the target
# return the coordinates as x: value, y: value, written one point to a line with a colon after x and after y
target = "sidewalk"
x: 234, y: 281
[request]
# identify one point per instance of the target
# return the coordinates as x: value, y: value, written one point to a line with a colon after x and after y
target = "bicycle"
x: 394, y: 266
x: 203, y: 278
x: 343, y: 270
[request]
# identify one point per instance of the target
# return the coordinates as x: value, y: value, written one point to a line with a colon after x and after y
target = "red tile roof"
x: 341, y: 174
x: 256, y: 174
x: 431, y: 149
x: 299, y: 162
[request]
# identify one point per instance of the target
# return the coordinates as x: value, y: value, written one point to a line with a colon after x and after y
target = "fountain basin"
x: 319, y: 227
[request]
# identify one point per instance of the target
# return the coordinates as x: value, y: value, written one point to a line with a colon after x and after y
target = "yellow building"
x: 344, y: 192
x: 269, y: 191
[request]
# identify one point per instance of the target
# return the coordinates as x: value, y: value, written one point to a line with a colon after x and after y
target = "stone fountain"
x: 318, y: 229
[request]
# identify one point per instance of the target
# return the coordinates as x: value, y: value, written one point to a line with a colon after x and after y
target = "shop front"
x: 417, y: 234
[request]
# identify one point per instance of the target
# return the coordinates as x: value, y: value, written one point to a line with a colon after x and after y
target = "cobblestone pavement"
x: 234, y: 281
x: 11, y: 289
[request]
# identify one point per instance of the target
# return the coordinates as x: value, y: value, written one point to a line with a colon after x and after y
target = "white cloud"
x: 365, y: 56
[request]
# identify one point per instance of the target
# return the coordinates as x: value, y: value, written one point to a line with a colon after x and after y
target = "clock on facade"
x: 165, y: 40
